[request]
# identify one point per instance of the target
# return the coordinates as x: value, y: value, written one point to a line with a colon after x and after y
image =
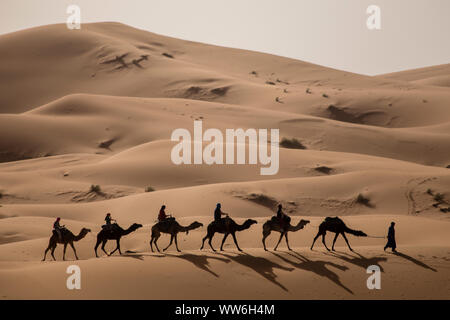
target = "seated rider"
x: 108, y: 220
x: 58, y: 228
x: 282, y: 217
x: 218, y: 213
x: 162, y: 216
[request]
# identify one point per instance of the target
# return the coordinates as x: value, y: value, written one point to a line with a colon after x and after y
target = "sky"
x: 333, y: 33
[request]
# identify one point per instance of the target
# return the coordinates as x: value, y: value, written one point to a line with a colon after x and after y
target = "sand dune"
x: 102, y: 124
x: 432, y: 76
x: 97, y: 106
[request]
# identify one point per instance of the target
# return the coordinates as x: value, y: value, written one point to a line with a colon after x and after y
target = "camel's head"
x: 194, y: 225
x: 135, y: 226
x: 360, y: 234
x: 303, y: 222
x: 85, y: 230
x: 250, y: 222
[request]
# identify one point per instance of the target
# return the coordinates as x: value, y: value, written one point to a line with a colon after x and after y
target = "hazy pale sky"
x: 414, y: 33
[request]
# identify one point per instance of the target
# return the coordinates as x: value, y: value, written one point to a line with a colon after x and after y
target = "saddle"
x: 333, y: 220
x: 62, y: 230
x: 110, y: 227
x: 286, y: 220
x: 167, y: 220
x: 223, y: 222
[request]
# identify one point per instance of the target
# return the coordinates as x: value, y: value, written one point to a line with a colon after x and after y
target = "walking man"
x: 391, y: 238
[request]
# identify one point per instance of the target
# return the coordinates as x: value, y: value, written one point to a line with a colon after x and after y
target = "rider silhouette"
x: 162, y: 216
x: 108, y: 219
x: 218, y: 212
x: 282, y: 217
x: 58, y: 228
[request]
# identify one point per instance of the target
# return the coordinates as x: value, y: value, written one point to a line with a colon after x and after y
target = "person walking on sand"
x: 391, y: 243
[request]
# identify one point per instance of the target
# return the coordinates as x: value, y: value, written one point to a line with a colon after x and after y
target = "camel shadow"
x: 135, y: 255
x: 414, y: 260
x: 262, y: 266
x: 200, y: 261
x: 319, y: 267
x: 359, y: 261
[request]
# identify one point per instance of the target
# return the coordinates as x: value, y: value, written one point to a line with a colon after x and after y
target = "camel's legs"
x: 346, y: 240
x: 266, y: 233
x: 50, y: 245
x: 315, y: 238
x: 74, y: 250
x: 208, y: 236
x: 287, y: 241
x: 64, y: 251
x: 117, y: 248
x: 334, y: 240
x: 156, y: 244
x: 45, y: 253
x: 103, y: 246
x: 154, y: 238
x: 235, y: 241
x: 210, y: 243
x: 53, y: 252
x: 170, y: 243
x: 279, y: 240
x: 203, y: 242
x: 223, y: 241
x: 96, y: 246
x: 151, y: 244
x: 323, y: 241
x: 176, y: 243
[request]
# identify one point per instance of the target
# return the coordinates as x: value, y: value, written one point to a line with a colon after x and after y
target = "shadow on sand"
x: 359, y: 261
x: 132, y: 255
x: 262, y: 266
x: 414, y: 260
x: 200, y: 261
x: 319, y: 267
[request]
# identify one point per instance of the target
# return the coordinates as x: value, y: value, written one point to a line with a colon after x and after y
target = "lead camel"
x: 337, y: 226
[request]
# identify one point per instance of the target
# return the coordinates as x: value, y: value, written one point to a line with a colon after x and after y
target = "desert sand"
x: 97, y: 106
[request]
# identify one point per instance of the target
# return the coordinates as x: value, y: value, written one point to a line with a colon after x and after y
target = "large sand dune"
x: 97, y: 106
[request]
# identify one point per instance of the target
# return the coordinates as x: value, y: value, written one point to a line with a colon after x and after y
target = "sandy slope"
x: 433, y: 76
x: 73, y: 115
x: 421, y: 271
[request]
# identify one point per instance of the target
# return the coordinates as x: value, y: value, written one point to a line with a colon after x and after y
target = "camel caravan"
x: 222, y: 223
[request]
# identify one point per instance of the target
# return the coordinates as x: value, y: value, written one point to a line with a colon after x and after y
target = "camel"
x: 337, y: 226
x: 274, y: 225
x: 115, y: 233
x: 226, y: 226
x: 67, y: 237
x: 171, y: 227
